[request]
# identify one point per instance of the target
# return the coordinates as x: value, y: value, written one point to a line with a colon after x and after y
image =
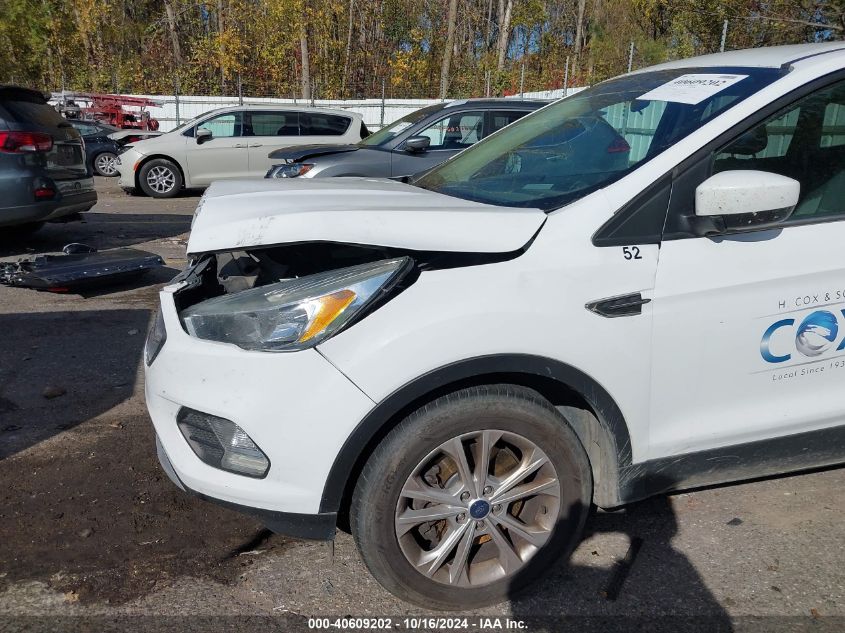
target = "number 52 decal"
x: 631, y: 252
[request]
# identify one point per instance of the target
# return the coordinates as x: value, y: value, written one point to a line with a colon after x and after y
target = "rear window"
x: 317, y: 124
x: 24, y: 107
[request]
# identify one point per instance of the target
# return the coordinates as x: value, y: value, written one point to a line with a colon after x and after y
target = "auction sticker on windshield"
x: 692, y: 89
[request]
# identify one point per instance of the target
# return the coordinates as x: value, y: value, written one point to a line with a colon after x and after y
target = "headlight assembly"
x: 293, y: 314
x: 291, y: 170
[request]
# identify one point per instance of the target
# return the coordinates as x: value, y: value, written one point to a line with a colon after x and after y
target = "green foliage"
x: 128, y: 45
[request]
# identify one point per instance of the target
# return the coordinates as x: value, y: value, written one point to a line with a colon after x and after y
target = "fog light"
x: 222, y: 443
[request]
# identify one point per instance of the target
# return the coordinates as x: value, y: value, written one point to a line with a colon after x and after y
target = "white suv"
x: 637, y: 289
x: 229, y: 143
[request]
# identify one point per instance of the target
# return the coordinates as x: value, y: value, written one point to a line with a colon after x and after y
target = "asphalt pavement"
x: 93, y: 534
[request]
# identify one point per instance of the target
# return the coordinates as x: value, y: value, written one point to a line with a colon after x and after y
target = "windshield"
x: 386, y: 134
x: 593, y: 138
x: 188, y: 123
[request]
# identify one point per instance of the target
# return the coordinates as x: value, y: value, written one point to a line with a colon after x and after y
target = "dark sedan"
x: 99, y: 148
x: 413, y: 144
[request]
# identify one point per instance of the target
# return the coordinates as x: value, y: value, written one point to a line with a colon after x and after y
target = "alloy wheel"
x: 106, y: 164
x: 161, y: 179
x: 477, y: 508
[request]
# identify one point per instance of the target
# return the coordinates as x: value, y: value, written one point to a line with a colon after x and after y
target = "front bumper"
x: 310, y: 526
x: 126, y: 162
x: 297, y: 407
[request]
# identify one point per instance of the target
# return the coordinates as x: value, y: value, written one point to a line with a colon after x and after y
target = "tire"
x: 105, y: 164
x: 160, y: 178
x: 528, y: 429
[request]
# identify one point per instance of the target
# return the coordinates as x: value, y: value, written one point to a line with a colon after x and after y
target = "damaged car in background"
x: 458, y: 368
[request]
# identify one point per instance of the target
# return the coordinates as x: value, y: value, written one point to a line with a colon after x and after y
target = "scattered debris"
x: 621, y: 569
x: 132, y: 332
x: 86, y: 533
x: 252, y: 552
x: 80, y: 267
x: 75, y: 248
x: 52, y: 391
x: 734, y: 522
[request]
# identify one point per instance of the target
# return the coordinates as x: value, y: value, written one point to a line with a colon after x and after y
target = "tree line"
x: 339, y: 49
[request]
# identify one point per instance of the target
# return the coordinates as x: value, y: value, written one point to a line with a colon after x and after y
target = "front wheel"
x: 105, y: 164
x: 471, y: 498
x: 160, y: 178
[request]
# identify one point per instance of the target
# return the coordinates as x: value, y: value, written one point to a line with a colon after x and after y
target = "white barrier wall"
x: 376, y: 113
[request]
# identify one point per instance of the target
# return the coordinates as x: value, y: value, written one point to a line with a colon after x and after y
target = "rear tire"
x: 105, y: 164
x: 160, y: 178
x: 488, y: 531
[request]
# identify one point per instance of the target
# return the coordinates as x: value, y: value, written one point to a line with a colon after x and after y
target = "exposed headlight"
x: 292, y: 314
x: 291, y: 170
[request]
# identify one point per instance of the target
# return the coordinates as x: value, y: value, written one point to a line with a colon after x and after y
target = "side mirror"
x: 203, y: 135
x: 743, y: 200
x: 417, y: 144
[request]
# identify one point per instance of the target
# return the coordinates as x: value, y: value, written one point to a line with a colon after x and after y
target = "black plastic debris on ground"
x: 79, y: 268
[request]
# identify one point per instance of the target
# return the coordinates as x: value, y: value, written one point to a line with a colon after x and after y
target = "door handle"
x: 256, y: 145
x: 623, y: 305
x: 239, y: 145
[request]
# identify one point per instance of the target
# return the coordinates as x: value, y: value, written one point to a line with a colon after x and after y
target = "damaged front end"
x: 292, y: 297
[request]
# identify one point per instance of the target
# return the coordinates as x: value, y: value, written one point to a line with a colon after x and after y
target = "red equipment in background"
x: 113, y: 109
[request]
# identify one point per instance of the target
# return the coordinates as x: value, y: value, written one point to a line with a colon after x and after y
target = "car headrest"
x: 751, y: 142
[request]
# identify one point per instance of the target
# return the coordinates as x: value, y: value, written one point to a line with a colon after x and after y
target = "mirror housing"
x: 417, y: 144
x: 743, y: 200
x: 203, y: 135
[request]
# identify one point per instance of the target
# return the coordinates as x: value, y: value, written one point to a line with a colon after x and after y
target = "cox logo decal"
x: 816, y: 334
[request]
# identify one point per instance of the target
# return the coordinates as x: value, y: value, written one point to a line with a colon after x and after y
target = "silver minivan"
x: 229, y: 143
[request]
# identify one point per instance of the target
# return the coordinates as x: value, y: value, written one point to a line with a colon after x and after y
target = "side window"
x: 319, y: 124
x: 272, y: 124
x: 86, y: 130
x: 805, y: 141
x: 224, y: 125
x: 456, y: 131
x: 499, y: 119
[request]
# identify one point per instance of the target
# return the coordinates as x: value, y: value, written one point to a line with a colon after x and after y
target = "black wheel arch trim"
x: 384, y: 415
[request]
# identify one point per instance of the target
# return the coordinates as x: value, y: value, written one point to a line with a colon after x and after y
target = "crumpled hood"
x: 236, y: 214
x: 300, y: 152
